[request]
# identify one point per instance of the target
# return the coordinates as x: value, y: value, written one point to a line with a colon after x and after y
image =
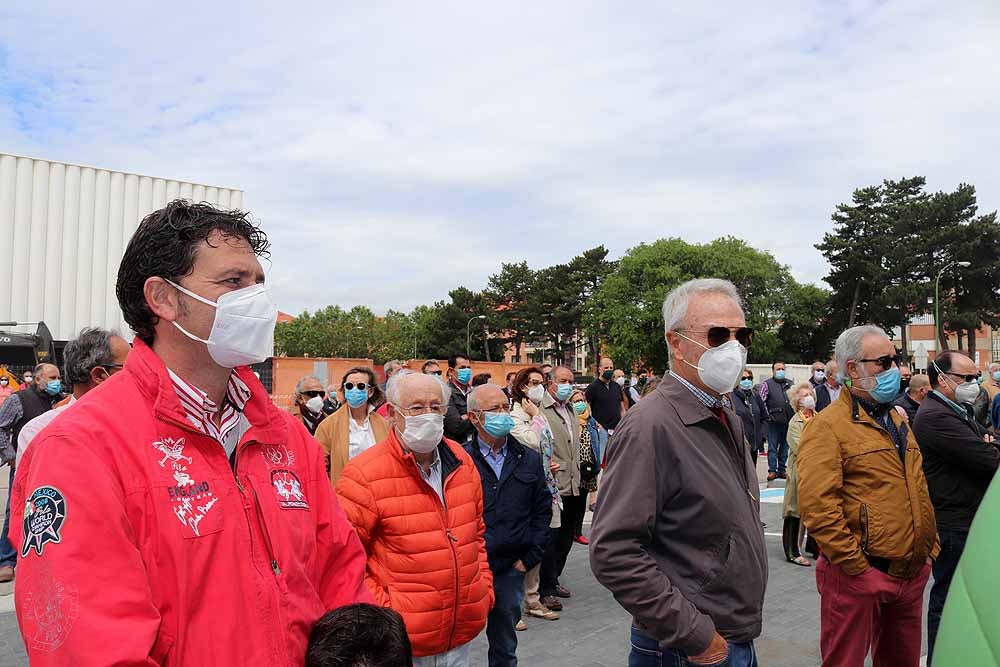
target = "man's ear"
x: 162, y: 298
x: 674, y: 341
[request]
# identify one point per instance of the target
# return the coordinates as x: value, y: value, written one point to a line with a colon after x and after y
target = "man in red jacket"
x: 175, y: 516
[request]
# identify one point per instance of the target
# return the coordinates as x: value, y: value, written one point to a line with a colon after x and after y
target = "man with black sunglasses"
x: 308, y: 407
x: 863, y: 497
x: 959, y: 465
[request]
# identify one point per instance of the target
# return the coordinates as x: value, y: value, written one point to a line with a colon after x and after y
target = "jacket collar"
x: 150, y: 375
x: 688, y: 407
x: 449, y: 459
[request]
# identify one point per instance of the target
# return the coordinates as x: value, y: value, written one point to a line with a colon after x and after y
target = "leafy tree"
x: 513, y: 303
x: 805, y: 333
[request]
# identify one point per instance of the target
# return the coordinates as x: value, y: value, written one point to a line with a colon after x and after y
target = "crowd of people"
x: 172, y: 514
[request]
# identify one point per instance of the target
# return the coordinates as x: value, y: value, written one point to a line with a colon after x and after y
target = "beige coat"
x: 566, y: 448
x: 795, y: 427
x: 334, y: 435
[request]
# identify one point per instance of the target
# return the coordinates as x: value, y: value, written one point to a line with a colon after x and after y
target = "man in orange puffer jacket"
x: 416, y: 501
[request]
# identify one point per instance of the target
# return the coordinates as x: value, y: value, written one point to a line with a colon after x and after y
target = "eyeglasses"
x: 314, y: 394
x: 885, y: 361
x: 967, y: 378
x: 493, y: 411
x: 719, y: 335
x: 418, y: 410
x: 351, y: 385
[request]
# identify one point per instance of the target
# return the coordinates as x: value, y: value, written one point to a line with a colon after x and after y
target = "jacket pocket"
x: 161, y: 649
x: 871, y: 529
x: 719, y: 561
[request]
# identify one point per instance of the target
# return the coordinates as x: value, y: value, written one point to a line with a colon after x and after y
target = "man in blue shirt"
x: 517, y: 509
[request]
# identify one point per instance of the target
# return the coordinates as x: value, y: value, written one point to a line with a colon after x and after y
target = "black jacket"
x: 751, y: 410
x: 456, y: 428
x: 517, y: 508
x: 909, y: 405
x: 958, y: 464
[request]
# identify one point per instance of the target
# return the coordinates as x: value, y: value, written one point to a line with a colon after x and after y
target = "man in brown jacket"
x: 677, y: 536
x: 863, y: 497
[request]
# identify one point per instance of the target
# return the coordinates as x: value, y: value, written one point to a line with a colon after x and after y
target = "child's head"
x: 359, y: 635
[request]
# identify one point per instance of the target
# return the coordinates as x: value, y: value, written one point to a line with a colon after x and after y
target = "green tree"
x: 513, y: 304
x: 805, y: 333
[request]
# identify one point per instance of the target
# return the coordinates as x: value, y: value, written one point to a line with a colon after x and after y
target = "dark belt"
x: 880, y: 564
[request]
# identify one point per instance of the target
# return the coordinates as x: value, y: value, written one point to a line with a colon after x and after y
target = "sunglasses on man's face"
x: 438, y: 373
x: 351, y: 385
x: 967, y: 378
x: 717, y: 336
x: 885, y: 361
x: 314, y: 394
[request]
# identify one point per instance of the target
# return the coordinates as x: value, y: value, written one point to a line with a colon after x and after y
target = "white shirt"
x: 35, y: 426
x: 361, y: 437
x: 834, y: 392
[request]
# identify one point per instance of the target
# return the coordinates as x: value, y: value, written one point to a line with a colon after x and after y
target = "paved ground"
x: 593, y: 630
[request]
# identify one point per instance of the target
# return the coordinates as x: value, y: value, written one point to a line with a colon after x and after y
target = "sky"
x: 394, y: 151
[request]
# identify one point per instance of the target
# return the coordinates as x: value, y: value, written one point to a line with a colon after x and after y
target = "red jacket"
x: 141, y: 547
x: 425, y: 560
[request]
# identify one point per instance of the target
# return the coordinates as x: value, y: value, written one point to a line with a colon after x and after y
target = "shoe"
x: 552, y: 602
x: 771, y: 476
x: 542, y: 612
x: 562, y: 592
x: 6, y: 574
x: 782, y: 475
x: 581, y: 539
x: 521, y: 625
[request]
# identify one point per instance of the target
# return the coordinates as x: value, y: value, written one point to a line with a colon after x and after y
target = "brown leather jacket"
x: 858, y: 499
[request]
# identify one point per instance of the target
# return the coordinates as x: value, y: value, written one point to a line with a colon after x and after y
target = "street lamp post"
x: 468, y: 335
x: 937, y: 297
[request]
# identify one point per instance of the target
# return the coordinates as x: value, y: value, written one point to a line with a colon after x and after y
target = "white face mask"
x: 423, y: 432
x: 314, y: 405
x: 808, y: 403
x: 620, y: 381
x: 721, y: 366
x: 967, y: 392
x: 243, y: 330
x: 536, y: 393
x: 819, y: 375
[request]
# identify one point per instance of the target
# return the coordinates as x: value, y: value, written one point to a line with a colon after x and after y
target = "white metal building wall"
x: 63, y: 229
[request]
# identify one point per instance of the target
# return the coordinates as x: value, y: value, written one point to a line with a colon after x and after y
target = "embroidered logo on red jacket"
x: 288, y: 489
x: 191, y: 499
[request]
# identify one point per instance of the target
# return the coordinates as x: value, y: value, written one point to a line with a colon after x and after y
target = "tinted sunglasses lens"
x: 717, y: 336
x: 314, y: 394
x: 438, y: 373
x: 745, y: 336
x: 350, y: 385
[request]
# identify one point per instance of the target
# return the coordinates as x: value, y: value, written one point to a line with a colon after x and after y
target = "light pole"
x: 468, y: 334
x: 937, y: 298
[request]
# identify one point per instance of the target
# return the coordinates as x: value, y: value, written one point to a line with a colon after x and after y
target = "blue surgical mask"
x: 779, y: 375
x: 498, y: 424
x: 356, y: 397
x: 996, y: 376
x: 564, y: 391
x: 464, y: 375
x: 746, y: 385
x: 886, y: 387
x: 53, y: 388
x: 580, y: 407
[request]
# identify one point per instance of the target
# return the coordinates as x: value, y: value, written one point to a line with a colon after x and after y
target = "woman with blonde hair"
x: 802, y: 398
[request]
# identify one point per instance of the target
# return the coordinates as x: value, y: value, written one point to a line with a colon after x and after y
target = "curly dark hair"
x: 164, y: 246
x: 516, y: 389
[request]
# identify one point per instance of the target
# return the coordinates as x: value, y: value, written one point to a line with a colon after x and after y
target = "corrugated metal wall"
x: 63, y: 229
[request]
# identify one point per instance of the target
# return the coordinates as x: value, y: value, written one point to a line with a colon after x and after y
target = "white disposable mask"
x: 423, y: 432
x: 967, y: 392
x: 620, y: 381
x: 314, y: 405
x: 536, y: 393
x: 721, y: 366
x: 243, y: 330
x: 808, y: 403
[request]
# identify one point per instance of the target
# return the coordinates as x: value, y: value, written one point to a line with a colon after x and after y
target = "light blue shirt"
x: 495, y: 460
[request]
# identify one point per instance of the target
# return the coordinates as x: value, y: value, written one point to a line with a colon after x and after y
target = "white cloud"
x: 397, y: 150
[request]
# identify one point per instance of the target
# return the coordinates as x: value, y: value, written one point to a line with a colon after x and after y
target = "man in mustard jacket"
x: 864, y: 498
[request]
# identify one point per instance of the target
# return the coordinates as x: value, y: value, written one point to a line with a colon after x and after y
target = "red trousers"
x: 872, y: 611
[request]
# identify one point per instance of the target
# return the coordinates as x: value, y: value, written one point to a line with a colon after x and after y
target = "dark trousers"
x: 646, y: 652
x: 508, y: 586
x: 790, y: 537
x: 8, y: 554
x: 558, y: 550
x: 777, y: 447
x: 952, y: 546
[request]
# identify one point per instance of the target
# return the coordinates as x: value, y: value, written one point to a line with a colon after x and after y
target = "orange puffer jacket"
x: 425, y: 560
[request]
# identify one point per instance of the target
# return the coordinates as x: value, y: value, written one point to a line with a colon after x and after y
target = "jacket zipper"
x: 266, y: 533
x: 452, y: 541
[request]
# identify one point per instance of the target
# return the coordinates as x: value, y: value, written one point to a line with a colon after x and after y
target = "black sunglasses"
x: 885, y: 361
x: 314, y: 394
x: 967, y: 378
x: 438, y: 373
x: 350, y: 385
x: 720, y: 335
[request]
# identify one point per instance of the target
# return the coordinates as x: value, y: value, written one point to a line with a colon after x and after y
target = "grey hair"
x: 392, y: 365
x: 850, y: 345
x: 829, y: 368
x: 301, y: 384
x: 92, y: 348
x: 473, y: 400
x: 794, y: 390
x: 675, y: 306
x: 392, y: 387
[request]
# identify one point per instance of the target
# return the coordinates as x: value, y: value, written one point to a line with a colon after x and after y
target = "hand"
x: 554, y: 467
x: 902, y: 413
x: 519, y: 566
x: 529, y: 407
x: 716, y: 652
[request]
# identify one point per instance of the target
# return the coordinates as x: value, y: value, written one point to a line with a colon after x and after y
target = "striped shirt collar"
x: 710, y: 401
x: 201, y: 410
